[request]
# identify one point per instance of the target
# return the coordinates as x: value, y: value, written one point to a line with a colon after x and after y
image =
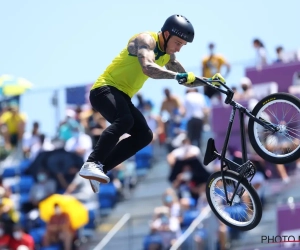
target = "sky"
x: 57, y: 43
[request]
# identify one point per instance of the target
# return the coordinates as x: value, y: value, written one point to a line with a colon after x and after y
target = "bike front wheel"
x: 245, y: 212
x: 283, y: 111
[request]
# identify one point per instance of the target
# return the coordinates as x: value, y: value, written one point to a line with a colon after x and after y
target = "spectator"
x: 285, y: 56
x: 8, y: 214
x: 247, y: 91
x: 183, y: 181
x: 237, y: 94
x: 170, y: 200
x: 258, y: 182
x: 195, y: 110
x: 116, y: 176
x: 212, y: 64
x: 4, y: 237
x: 7, y: 190
x: 282, y: 171
x: 127, y: 176
x: 261, y: 54
x: 44, y: 187
x: 80, y: 143
x: 20, y: 238
x: 62, y: 165
x: 154, y: 121
x: 78, y: 112
x: 168, y: 227
x: 187, y: 170
x: 81, y: 190
x: 14, y: 123
x: 296, y: 79
x: 67, y: 126
x: 174, y: 127
x: 279, y: 53
x: 141, y: 102
x: 294, y: 89
x: 30, y: 139
x: 94, y: 125
x: 170, y: 104
x: 184, y: 151
x: 186, y: 205
x: 41, y: 145
x: 64, y: 178
x: 59, y: 229
x: 155, y: 246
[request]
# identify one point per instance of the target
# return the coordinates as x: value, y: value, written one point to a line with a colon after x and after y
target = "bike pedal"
x: 210, y: 152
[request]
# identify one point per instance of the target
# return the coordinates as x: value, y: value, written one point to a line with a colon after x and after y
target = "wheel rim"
x: 286, y: 141
x: 218, y: 199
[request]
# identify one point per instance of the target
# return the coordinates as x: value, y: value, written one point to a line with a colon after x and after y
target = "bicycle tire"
x: 257, y: 146
x: 257, y: 206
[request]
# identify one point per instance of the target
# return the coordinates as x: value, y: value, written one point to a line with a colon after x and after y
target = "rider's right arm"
x: 143, y: 47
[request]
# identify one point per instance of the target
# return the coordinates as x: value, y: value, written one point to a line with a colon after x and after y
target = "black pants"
x: 194, y: 130
x: 116, y: 107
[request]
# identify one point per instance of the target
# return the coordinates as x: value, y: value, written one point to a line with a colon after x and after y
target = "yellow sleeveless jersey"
x: 125, y: 72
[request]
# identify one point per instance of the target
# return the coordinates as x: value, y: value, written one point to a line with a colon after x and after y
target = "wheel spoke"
x: 243, y: 210
x: 284, y: 113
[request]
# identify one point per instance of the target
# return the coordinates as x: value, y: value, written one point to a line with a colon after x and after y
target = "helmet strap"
x: 166, y: 41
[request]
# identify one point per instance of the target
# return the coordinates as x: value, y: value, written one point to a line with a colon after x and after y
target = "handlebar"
x: 228, y: 92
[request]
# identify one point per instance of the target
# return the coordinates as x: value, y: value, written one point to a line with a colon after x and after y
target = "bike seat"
x: 210, y: 152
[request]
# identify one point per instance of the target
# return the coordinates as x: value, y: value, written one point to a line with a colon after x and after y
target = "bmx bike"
x: 273, y: 133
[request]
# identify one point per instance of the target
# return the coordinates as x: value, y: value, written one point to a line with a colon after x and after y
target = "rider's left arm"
x: 174, y: 65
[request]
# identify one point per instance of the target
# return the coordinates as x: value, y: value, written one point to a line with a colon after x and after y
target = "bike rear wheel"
x: 283, y: 146
x: 246, y: 210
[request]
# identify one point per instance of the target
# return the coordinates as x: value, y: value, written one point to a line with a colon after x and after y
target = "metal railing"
x: 205, y: 213
x: 123, y: 234
x: 113, y: 231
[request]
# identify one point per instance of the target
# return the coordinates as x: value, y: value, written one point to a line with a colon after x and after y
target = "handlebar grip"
x: 182, y: 80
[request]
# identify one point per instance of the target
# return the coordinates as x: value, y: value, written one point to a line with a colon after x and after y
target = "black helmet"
x: 180, y: 26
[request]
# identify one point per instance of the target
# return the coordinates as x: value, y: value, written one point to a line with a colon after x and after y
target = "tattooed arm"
x: 143, y: 47
x: 174, y: 65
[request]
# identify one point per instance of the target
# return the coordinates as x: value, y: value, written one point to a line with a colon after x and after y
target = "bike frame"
x: 242, y: 112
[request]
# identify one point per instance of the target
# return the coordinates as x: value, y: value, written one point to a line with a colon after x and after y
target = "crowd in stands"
x: 188, y: 119
x: 47, y: 166
x: 50, y: 166
x: 43, y: 167
x: 182, y: 202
